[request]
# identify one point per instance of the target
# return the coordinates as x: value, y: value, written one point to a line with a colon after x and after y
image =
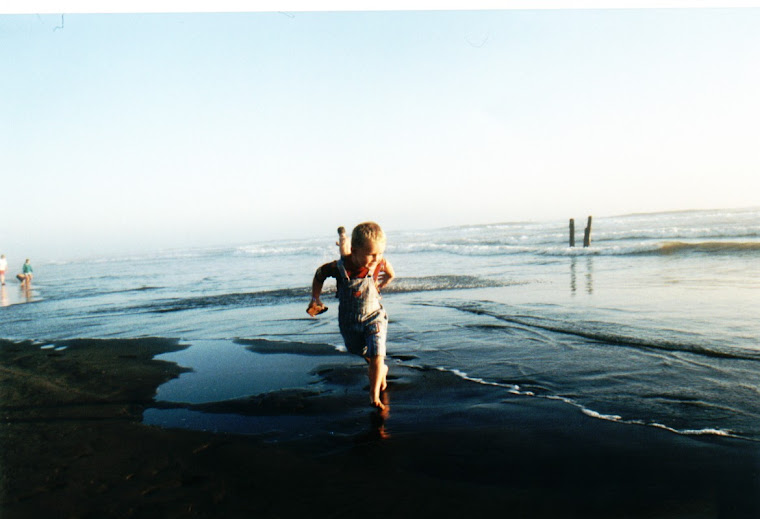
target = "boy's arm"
x: 316, y: 306
x: 386, y: 276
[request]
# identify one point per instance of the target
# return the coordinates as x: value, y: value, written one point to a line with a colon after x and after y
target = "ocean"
x: 654, y: 324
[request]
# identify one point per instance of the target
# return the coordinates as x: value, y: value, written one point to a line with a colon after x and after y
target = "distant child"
x: 360, y: 275
x: 3, y: 268
x: 343, y: 243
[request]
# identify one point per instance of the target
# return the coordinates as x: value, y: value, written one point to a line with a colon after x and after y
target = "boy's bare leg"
x: 377, y: 379
x: 384, y: 379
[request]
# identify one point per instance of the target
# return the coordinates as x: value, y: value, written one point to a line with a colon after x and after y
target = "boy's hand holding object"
x: 316, y: 308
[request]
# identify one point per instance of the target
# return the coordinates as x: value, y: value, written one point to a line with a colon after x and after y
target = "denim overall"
x: 362, y: 319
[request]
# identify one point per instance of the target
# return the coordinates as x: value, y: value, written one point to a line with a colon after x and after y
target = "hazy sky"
x: 141, y: 131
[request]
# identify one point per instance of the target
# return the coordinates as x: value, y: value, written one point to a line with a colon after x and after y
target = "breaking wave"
x: 612, y: 248
x: 600, y: 333
x: 293, y: 295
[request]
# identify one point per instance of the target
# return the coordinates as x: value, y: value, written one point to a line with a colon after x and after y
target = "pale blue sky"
x: 125, y: 132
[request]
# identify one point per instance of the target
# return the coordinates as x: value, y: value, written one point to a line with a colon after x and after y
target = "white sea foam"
x: 516, y: 390
x: 710, y: 432
x: 688, y: 432
x: 461, y: 374
x: 266, y: 250
x: 594, y: 414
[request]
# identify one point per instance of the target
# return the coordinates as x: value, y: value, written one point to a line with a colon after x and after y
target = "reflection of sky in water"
x: 282, y: 427
x: 14, y: 293
x: 223, y: 370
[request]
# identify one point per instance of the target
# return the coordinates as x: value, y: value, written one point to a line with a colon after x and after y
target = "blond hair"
x: 366, y: 233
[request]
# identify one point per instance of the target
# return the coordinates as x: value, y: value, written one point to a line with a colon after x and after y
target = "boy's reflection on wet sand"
x: 377, y: 418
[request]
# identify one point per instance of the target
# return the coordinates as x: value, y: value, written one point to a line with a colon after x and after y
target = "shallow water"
x: 655, y: 323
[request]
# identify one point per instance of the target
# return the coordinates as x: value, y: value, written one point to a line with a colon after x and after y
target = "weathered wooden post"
x: 572, y: 232
x: 587, y: 234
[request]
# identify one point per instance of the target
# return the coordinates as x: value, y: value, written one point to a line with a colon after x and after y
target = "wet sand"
x: 73, y: 445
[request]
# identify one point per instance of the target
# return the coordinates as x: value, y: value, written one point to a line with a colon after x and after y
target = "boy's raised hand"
x: 316, y: 308
x: 386, y: 275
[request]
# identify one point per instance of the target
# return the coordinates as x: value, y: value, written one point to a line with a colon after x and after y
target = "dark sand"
x: 73, y: 446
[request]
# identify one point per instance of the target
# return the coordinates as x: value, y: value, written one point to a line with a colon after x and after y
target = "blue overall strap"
x: 342, y: 270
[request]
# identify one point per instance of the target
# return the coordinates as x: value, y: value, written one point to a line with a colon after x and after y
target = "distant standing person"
x: 28, y: 272
x: 3, y: 268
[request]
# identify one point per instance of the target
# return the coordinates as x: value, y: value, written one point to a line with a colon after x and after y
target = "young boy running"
x: 362, y: 320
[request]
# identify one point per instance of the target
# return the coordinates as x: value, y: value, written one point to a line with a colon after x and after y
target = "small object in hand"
x: 316, y: 308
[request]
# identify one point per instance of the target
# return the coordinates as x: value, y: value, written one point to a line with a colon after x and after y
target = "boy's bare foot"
x: 384, y: 405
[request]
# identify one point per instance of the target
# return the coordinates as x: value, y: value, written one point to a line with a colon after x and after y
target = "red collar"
x: 355, y: 273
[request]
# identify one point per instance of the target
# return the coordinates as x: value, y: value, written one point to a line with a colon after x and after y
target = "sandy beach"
x: 73, y: 444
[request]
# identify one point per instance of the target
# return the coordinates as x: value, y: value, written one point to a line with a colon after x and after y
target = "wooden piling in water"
x: 572, y: 232
x: 587, y: 234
